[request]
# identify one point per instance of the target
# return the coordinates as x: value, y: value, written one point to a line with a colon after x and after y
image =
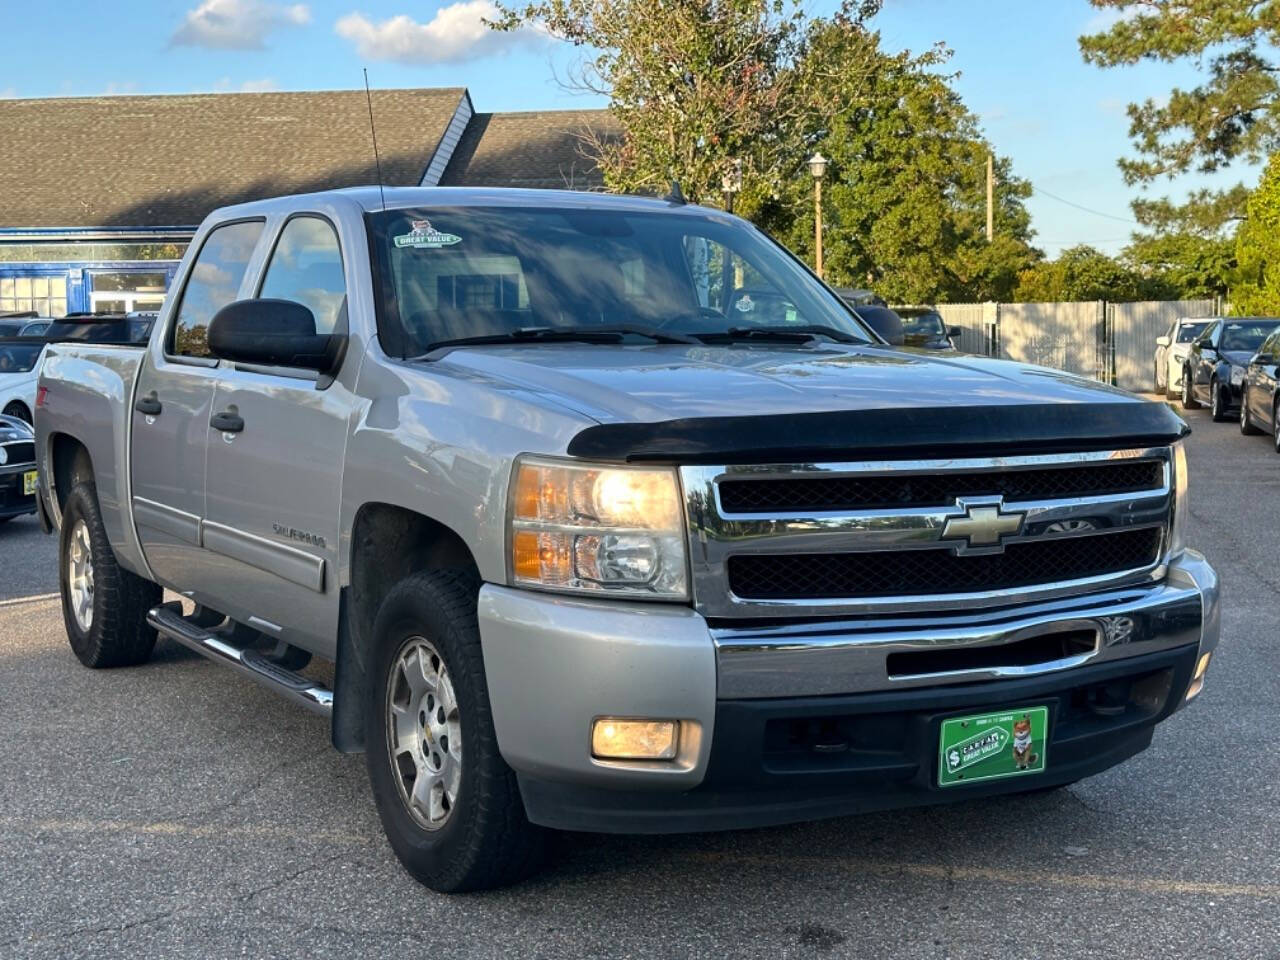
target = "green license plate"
x: 29, y: 483
x: 991, y: 746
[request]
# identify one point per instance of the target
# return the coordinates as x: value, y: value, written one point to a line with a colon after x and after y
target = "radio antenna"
x: 374, y: 131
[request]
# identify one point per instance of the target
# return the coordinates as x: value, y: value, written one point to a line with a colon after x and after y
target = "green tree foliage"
x: 1182, y: 266
x: 1081, y: 273
x: 695, y: 85
x: 905, y: 193
x: 1234, y: 114
x: 1257, y: 288
x: 699, y: 84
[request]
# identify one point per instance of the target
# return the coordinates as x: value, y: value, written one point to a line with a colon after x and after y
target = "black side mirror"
x: 1263, y: 358
x: 953, y: 332
x: 887, y: 324
x: 274, y: 333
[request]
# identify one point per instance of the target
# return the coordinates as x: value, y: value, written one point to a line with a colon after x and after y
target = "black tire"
x: 486, y: 840
x: 118, y: 634
x: 19, y: 410
x: 1160, y: 389
x: 1246, y: 423
x: 1275, y: 425
x: 1189, y: 401
x: 1219, y: 405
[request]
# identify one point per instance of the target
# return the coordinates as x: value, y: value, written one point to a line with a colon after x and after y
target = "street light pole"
x: 817, y: 167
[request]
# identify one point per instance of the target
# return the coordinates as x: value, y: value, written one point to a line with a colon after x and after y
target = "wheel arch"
x: 388, y: 542
x: 70, y: 463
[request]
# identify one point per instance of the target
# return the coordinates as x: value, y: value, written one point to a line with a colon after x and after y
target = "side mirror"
x: 888, y: 325
x: 1262, y: 358
x: 1162, y: 341
x: 274, y: 333
x: 953, y: 332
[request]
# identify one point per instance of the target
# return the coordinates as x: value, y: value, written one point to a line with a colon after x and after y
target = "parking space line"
x: 174, y: 828
x: 1117, y: 883
x: 37, y: 598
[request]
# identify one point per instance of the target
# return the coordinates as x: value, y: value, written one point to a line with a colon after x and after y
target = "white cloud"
x: 262, y: 85
x: 8, y: 93
x: 1106, y: 18
x: 236, y: 24
x: 456, y: 33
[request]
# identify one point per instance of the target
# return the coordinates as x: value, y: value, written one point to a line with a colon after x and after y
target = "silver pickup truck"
x: 609, y: 516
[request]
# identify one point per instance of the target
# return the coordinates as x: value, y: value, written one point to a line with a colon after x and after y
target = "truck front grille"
x: 899, y: 536
x: 939, y: 489
x: 905, y: 573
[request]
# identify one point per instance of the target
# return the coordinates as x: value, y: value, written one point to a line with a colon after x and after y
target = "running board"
x: 169, y: 622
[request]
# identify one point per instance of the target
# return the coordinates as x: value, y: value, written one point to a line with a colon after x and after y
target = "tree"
x: 695, y: 85
x: 1233, y: 115
x: 1257, y: 288
x: 905, y: 191
x: 1182, y: 266
x: 1080, y: 273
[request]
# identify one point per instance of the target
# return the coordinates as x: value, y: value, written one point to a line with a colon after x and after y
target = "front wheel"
x: 1218, y: 404
x: 104, y: 606
x: 1246, y: 421
x: 18, y: 410
x: 1189, y: 401
x: 449, y: 803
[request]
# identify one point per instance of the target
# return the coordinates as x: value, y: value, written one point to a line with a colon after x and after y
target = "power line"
x: 1071, y: 203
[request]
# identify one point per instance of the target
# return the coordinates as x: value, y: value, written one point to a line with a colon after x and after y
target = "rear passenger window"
x: 214, y: 282
x: 306, y: 268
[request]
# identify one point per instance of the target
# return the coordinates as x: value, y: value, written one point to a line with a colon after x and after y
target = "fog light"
x: 613, y: 739
x: 1197, y: 679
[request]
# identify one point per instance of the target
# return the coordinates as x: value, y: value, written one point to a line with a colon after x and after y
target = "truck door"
x: 172, y: 406
x: 275, y: 481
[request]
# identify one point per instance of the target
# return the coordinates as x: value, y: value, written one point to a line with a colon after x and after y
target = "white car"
x: 1171, y: 352
x: 19, y: 370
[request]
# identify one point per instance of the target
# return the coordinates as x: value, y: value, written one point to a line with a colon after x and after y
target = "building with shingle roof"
x: 99, y: 196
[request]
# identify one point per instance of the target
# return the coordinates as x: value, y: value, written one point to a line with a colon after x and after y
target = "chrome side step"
x: 169, y: 622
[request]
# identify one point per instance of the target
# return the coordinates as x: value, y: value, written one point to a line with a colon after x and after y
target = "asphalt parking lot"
x: 175, y: 810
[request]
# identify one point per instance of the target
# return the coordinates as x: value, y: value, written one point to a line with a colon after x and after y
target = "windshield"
x: 1189, y: 331
x: 19, y: 357
x: 923, y: 325
x: 452, y: 273
x: 1247, y: 334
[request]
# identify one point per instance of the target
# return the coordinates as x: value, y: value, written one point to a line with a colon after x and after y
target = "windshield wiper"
x: 611, y: 334
x: 796, y: 334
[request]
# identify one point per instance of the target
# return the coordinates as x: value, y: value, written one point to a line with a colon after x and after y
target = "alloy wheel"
x: 424, y: 733
x: 80, y: 575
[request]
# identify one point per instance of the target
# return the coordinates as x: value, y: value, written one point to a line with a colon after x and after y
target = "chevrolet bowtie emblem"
x: 983, y: 525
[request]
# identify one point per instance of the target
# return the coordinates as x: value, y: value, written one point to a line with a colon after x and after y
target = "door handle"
x: 149, y: 405
x: 228, y: 421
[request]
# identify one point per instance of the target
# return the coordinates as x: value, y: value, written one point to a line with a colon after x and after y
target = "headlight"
x: 1177, y: 529
x: 1237, y: 376
x: 598, y: 529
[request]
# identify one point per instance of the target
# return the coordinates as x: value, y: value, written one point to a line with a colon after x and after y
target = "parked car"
x: 11, y: 323
x: 924, y: 327
x: 589, y: 554
x: 1216, y: 361
x: 19, y: 369
x: 1171, y: 353
x: 860, y: 298
x: 17, y: 469
x: 1260, y: 394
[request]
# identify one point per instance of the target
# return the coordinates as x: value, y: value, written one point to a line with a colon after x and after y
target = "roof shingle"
x: 169, y: 160
x: 546, y: 149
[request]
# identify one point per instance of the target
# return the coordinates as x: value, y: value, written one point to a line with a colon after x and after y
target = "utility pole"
x: 991, y: 194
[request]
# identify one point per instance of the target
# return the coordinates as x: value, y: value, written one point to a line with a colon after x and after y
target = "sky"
x: 1061, y: 121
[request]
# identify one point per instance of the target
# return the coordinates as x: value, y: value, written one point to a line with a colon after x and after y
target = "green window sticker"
x: 425, y: 236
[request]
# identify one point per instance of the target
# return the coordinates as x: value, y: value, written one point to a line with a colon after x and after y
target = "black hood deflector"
x: 989, y: 430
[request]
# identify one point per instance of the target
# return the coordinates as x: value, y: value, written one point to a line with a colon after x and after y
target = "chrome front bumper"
x: 555, y: 664
x: 824, y: 658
